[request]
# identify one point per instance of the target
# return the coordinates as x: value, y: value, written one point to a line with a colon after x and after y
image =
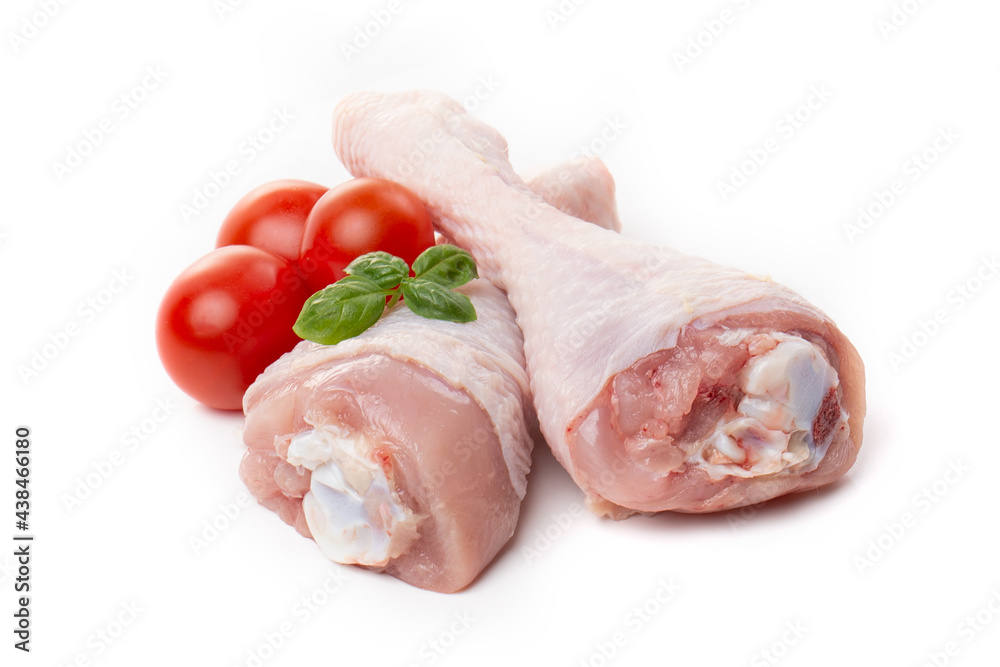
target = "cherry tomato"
x: 361, y: 216
x: 271, y: 217
x: 225, y: 318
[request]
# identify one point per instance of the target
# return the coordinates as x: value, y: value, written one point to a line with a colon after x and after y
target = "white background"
x: 885, y: 567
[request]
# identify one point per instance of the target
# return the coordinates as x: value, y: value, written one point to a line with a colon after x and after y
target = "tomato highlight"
x: 271, y: 217
x: 225, y: 319
x: 358, y: 217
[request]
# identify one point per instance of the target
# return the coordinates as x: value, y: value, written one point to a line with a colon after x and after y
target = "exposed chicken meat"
x: 662, y: 381
x: 406, y: 448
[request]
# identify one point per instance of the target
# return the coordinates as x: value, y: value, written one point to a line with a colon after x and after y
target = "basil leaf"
x: 435, y: 301
x: 445, y: 265
x: 379, y: 267
x: 340, y: 311
x: 354, y: 303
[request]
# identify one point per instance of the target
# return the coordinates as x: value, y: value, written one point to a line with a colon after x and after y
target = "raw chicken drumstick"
x: 662, y: 381
x: 406, y: 448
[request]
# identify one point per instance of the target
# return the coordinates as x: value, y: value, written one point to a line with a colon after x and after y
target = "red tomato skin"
x: 271, y: 217
x: 358, y: 217
x: 225, y: 319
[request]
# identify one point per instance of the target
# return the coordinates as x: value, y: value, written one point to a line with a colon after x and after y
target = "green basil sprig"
x: 357, y: 301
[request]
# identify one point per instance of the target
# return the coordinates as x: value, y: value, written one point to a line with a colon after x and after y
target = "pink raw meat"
x: 423, y: 423
x: 661, y: 381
